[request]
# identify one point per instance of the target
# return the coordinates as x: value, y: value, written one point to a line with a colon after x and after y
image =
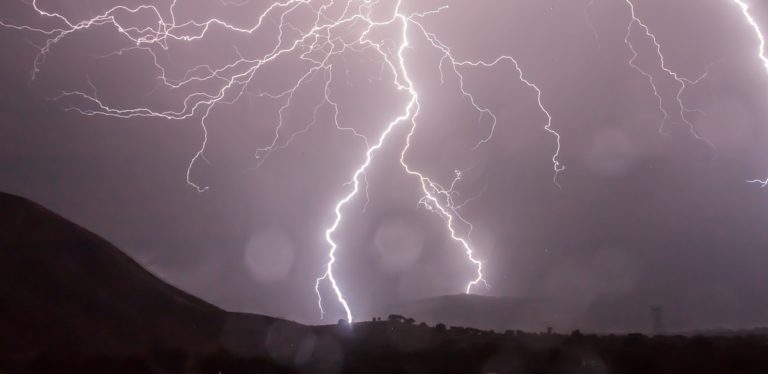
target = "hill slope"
x: 63, y: 287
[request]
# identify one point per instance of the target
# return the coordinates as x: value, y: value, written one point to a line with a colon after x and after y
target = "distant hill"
x: 482, y: 312
x: 501, y: 314
x: 65, y: 288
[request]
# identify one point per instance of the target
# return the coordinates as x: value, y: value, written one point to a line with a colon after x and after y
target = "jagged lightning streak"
x: 557, y: 166
x: 455, y: 64
x: 439, y: 199
x: 761, y: 54
x: 682, y: 82
x: 316, y: 46
x: 412, y: 103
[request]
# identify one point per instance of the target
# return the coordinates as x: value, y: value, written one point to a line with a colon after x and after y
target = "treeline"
x: 400, y: 344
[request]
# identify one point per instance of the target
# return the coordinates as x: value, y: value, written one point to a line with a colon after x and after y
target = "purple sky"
x: 664, y: 219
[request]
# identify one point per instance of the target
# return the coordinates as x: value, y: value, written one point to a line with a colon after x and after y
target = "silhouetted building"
x: 657, y: 317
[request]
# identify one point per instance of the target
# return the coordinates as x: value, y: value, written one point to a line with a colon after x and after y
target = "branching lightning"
x: 682, y: 82
x: 321, y: 46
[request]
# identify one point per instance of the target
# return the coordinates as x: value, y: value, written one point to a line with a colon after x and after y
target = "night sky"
x: 657, y: 217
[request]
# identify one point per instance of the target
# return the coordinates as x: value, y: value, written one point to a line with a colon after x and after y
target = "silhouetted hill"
x: 482, y: 312
x: 65, y: 288
x: 501, y: 313
x: 70, y: 302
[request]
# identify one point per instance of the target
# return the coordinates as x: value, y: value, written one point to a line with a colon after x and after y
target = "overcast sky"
x: 667, y: 219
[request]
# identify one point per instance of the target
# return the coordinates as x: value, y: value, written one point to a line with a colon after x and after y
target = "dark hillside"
x: 63, y: 286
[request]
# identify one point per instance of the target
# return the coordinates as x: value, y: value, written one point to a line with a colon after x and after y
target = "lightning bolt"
x: 682, y: 82
x: 761, y: 54
x: 360, y: 172
x: 321, y: 46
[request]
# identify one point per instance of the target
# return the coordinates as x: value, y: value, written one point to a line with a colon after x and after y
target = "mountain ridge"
x: 66, y: 288
x: 526, y: 313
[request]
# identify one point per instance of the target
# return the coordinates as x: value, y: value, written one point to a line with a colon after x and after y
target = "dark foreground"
x: 401, y: 347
